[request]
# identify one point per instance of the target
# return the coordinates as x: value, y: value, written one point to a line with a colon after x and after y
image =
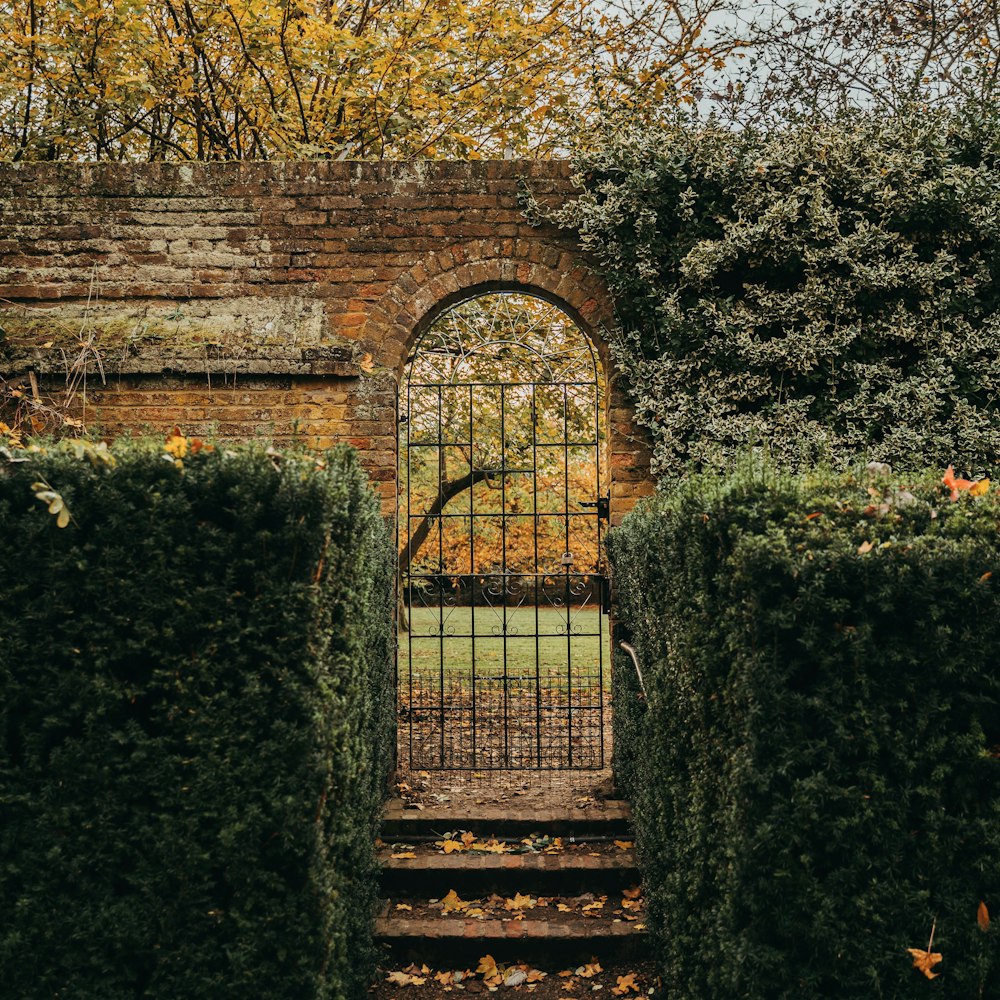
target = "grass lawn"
x: 423, y: 650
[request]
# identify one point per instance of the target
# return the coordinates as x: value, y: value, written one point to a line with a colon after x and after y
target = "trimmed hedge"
x: 195, y: 723
x: 816, y: 773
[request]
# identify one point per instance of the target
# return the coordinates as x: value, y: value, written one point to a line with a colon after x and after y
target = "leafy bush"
x: 832, y: 290
x: 195, y: 722
x: 816, y: 773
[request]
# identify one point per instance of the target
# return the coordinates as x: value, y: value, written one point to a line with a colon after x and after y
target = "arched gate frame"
x: 501, y: 445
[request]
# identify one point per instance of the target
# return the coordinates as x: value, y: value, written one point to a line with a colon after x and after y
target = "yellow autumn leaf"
x: 445, y: 978
x: 450, y: 846
x: 400, y: 855
x: 626, y: 984
x: 520, y: 902
x: 452, y: 902
x: 590, y: 969
x: 487, y: 967
x: 490, y: 847
x: 404, y: 979
x: 624, y: 845
x: 468, y: 839
x: 979, y: 488
x: 403, y: 906
x: 925, y: 961
x: 865, y: 547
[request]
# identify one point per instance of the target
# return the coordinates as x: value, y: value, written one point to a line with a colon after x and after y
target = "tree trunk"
x: 449, y: 489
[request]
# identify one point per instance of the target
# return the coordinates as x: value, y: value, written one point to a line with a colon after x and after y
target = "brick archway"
x: 278, y: 299
x: 465, y: 270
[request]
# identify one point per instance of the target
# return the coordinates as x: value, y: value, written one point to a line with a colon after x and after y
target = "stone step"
x: 609, y: 819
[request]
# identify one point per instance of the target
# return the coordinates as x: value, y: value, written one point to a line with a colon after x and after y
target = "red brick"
x: 380, y: 245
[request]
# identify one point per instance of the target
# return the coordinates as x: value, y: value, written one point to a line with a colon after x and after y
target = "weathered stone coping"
x: 207, y: 359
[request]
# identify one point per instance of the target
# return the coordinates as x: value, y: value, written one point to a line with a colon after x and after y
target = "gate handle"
x: 603, y: 505
x: 630, y: 649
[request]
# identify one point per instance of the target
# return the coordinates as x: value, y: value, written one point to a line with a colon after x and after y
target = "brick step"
x: 586, y: 864
x: 610, y: 819
x: 551, y: 941
x: 569, y: 871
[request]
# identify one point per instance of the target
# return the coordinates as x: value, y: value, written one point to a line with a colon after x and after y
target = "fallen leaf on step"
x: 487, y: 967
x: 403, y: 906
x: 452, y: 902
x: 445, y: 978
x: 404, y: 979
x: 634, y: 893
x: 490, y: 846
x: 625, y: 984
x: 624, y: 845
x: 590, y: 969
x: 520, y: 902
x: 449, y: 846
x: 399, y: 855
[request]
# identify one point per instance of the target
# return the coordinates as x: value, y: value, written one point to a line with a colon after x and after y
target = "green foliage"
x: 195, y: 723
x: 831, y: 290
x: 816, y: 773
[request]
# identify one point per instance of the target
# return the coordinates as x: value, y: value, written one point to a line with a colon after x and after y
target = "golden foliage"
x: 248, y: 79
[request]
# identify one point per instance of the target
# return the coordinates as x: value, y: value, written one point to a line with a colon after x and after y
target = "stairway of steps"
x: 552, y: 888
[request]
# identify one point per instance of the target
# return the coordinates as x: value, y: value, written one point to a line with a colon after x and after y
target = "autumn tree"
x: 192, y: 79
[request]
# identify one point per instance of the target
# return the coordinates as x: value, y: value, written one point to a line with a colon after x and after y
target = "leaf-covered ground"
x: 592, y: 979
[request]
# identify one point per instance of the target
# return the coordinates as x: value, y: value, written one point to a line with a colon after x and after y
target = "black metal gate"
x: 501, y: 438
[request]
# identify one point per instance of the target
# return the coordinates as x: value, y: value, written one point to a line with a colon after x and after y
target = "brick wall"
x: 274, y: 299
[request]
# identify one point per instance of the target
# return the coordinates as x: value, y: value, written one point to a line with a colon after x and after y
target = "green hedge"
x: 832, y: 289
x: 816, y: 773
x: 195, y: 723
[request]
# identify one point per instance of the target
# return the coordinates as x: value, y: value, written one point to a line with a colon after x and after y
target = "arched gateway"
x: 318, y: 302
x: 502, y: 447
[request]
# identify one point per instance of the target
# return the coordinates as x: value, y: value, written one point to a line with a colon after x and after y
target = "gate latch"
x: 603, y: 505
